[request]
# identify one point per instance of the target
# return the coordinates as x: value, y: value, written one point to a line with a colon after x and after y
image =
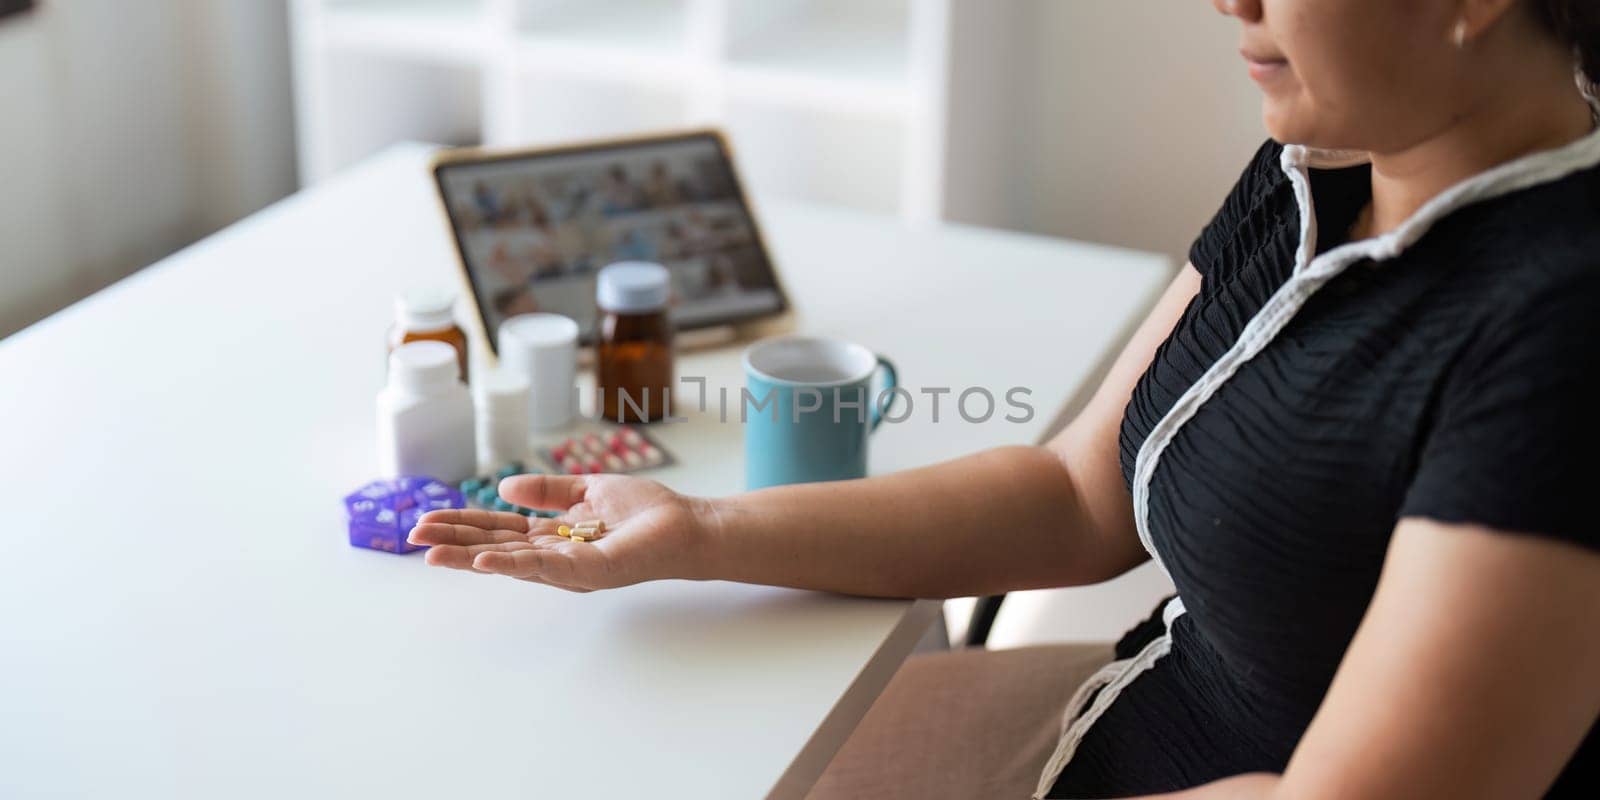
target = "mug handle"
x: 891, y: 380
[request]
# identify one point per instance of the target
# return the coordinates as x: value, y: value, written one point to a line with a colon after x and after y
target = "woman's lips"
x: 1264, y: 68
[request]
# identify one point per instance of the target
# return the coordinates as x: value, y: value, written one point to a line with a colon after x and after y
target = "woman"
x: 1354, y: 431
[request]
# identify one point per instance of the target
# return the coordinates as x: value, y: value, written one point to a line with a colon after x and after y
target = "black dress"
x: 1455, y: 377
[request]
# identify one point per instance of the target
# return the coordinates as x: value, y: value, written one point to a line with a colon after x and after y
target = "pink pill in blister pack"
x: 619, y: 450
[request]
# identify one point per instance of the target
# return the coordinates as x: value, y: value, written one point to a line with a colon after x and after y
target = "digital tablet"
x: 533, y: 227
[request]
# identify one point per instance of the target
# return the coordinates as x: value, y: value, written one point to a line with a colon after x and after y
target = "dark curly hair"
x: 1576, y: 23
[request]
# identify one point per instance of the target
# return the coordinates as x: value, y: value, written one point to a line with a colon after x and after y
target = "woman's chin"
x: 1283, y: 122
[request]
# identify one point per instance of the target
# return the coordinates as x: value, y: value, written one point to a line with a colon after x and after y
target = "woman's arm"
x: 1000, y: 520
x: 1009, y: 518
x: 1475, y: 674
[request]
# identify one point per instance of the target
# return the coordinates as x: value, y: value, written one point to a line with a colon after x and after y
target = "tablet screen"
x: 533, y: 228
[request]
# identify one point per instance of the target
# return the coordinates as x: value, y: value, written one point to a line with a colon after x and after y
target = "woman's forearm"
x: 1254, y: 786
x: 1004, y: 519
x: 1000, y: 520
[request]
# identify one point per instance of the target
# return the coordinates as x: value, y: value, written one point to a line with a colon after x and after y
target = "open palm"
x: 650, y: 533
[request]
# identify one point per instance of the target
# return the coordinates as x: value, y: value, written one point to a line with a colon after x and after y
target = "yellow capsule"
x: 564, y: 531
x: 577, y: 538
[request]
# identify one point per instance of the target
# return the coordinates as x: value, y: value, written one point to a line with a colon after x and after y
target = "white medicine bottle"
x: 502, y: 400
x: 425, y: 415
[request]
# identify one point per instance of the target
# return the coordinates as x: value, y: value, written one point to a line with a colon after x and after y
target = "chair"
x: 983, y: 615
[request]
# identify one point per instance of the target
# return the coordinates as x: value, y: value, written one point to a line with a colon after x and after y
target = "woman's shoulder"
x: 1267, y: 163
x: 1257, y: 209
x: 1511, y: 427
x: 1534, y: 248
x: 1262, y: 174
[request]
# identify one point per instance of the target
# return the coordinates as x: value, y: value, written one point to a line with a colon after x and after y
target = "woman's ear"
x: 1475, y: 17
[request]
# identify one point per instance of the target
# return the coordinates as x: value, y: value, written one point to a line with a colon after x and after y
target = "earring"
x: 1459, y: 36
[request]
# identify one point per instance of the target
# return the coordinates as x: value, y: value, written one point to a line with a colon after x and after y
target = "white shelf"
x: 781, y: 87
x: 443, y: 11
x: 863, y: 41
x: 560, y: 107
x: 655, y: 26
x: 560, y: 58
x: 842, y: 101
x: 442, y: 30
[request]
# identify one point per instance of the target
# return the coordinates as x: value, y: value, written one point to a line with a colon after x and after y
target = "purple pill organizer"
x: 381, y: 514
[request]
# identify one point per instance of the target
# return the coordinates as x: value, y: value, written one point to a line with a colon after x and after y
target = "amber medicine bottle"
x: 633, y: 342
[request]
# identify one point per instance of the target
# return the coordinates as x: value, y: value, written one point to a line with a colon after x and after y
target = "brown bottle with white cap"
x: 426, y: 314
x: 633, y: 342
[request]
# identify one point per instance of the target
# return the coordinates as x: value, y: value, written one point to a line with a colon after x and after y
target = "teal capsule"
x: 472, y: 486
x: 501, y: 505
x: 486, y: 496
x: 525, y: 511
x: 514, y: 468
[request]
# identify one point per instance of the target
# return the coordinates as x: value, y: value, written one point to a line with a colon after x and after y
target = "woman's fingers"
x: 520, y: 547
x: 455, y: 544
x: 437, y: 533
x: 548, y: 492
x: 528, y: 564
x: 472, y: 517
x: 539, y: 526
x: 460, y: 556
x: 464, y: 558
x: 570, y: 565
x: 448, y: 555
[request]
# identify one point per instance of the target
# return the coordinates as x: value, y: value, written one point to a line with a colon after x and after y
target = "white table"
x: 181, y: 617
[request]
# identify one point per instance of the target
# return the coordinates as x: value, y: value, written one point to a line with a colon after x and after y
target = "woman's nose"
x: 1247, y: 10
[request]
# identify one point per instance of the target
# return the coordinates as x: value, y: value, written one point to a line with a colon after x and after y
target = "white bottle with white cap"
x: 502, y: 403
x: 544, y: 349
x: 425, y: 415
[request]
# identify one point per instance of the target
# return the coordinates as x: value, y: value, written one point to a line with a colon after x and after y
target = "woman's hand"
x: 651, y: 533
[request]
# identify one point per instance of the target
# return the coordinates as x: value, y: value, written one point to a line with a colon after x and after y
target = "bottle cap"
x: 537, y: 331
x: 423, y: 366
x: 632, y: 287
x: 425, y: 308
x: 501, y: 392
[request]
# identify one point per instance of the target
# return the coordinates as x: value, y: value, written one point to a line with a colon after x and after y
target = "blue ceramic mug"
x: 808, y: 409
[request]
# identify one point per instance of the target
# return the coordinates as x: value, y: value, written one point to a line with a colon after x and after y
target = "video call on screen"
x: 535, y: 230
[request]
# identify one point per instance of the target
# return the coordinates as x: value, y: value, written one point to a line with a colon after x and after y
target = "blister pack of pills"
x: 619, y: 450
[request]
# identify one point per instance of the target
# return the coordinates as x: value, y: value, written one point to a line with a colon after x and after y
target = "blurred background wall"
x: 130, y: 129
x: 1139, y: 118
